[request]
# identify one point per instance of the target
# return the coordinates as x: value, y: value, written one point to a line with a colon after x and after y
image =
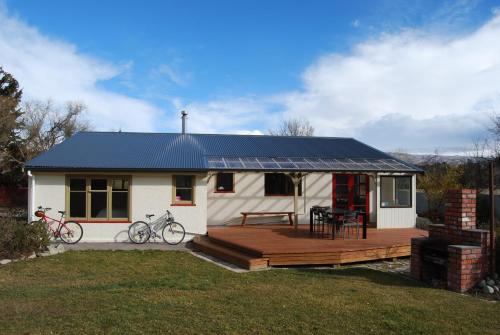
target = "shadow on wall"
x: 249, y: 197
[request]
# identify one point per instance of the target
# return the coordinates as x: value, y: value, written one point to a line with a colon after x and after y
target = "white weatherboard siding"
x: 226, y: 208
x: 397, y: 217
x: 151, y: 193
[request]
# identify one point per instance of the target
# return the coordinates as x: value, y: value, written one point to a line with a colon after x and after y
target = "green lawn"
x: 173, y: 292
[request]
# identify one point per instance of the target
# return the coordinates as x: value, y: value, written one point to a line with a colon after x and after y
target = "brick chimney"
x: 460, y: 209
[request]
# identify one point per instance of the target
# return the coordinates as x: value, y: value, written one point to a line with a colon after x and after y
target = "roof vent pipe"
x: 183, y: 117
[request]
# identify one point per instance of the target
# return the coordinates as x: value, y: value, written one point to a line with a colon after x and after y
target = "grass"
x: 122, y: 292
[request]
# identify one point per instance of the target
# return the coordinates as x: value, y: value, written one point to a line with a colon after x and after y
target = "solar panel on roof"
x: 366, y: 166
x: 384, y: 165
x: 285, y: 163
x: 301, y: 163
x: 251, y: 163
x: 316, y: 163
x: 397, y: 164
x: 216, y: 163
x: 233, y: 163
x: 349, y: 164
x: 268, y: 163
x: 335, y: 164
x: 307, y: 164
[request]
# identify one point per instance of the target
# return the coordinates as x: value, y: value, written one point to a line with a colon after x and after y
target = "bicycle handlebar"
x: 169, y: 215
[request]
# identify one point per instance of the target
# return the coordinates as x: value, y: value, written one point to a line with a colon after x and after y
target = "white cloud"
x: 171, y: 73
x: 231, y: 116
x: 413, y: 90
x: 48, y: 68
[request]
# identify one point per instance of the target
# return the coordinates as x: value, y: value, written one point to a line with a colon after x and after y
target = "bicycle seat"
x: 149, y: 216
x: 62, y: 212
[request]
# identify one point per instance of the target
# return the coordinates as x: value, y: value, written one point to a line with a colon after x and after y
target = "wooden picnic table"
x: 245, y: 214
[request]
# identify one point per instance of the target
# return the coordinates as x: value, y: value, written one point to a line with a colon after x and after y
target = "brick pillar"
x: 460, y: 209
x: 416, y: 261
x: 467, y: 265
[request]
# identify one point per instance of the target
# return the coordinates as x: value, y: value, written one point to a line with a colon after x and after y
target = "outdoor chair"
x: 319, y: 219
x: 350, y: 221
x: 332, y: 223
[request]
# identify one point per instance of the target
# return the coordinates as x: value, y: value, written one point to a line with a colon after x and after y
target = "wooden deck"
x: 259, y: 246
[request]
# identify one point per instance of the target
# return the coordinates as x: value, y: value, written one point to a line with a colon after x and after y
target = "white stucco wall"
x: 151, y: 193
x: 397, y: 217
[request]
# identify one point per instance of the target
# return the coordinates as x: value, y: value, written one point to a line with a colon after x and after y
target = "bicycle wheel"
x: 71, y: 232
x: 173, y: 233
x: 139, y: 232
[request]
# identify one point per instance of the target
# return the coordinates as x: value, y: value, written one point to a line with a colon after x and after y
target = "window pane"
x: 184, y: 194
x: 224, y: 182
x: 98, y: 204
x: 341, y: 179
x: 119, y: 204
x: 98, y: 184
x: 120, y: 184
x: 77, y: 184
x: 403, y: 191
x: 395, y: 192
x: 387, y: 195
x: 279, y: 184
x: 77, y: 204
x: 183, y: 181
x: 360, y: 179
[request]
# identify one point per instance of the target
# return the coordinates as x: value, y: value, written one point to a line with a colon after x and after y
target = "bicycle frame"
x: 158, y: 224
x: 60, y: 223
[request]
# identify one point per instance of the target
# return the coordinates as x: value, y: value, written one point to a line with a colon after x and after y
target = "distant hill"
x: 418, y: 159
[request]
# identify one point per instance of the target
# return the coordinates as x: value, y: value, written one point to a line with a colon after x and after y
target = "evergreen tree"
x: 10, y: 127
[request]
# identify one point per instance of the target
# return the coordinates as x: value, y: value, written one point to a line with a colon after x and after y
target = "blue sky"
x: 391, y: 73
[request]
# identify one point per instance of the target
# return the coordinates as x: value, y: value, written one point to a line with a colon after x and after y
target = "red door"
x: 351, y: 191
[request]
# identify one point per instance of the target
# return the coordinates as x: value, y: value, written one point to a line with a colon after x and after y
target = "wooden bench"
x: 245, y: 214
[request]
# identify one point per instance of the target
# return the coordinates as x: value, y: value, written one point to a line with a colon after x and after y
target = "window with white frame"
x: 395, y: 191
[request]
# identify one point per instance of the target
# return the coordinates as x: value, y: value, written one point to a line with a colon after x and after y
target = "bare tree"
x: 294, y: 127
x: 45, y: 125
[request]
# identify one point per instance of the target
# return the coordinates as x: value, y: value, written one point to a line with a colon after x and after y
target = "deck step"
x: 204, y: 244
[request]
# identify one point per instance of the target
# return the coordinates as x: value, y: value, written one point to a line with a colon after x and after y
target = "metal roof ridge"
x: 212, y: 134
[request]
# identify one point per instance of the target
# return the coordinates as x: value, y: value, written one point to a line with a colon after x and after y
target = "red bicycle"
x: 68, y: 231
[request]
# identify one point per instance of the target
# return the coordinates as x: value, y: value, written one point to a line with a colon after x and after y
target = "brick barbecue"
x: 455, y: 255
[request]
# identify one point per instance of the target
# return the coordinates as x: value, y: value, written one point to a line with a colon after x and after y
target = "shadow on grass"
x: 376, y: 277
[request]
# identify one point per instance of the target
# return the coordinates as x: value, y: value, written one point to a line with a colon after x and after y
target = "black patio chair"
x: 349, y: 221
x: 331, y: 223
x: 319, y: 219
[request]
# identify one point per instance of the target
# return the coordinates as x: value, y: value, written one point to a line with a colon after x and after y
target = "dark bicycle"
x: 172, y: 232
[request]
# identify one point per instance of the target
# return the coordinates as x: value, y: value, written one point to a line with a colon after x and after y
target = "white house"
x: 107, y: 180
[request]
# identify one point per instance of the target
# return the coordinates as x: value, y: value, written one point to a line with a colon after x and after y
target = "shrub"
x: 423, y: 223
x: 18, y: 238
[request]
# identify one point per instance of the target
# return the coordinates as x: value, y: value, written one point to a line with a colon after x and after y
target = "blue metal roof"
x: 170, y: 151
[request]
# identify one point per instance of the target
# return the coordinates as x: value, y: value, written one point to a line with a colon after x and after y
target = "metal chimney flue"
x: 183, y: 117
